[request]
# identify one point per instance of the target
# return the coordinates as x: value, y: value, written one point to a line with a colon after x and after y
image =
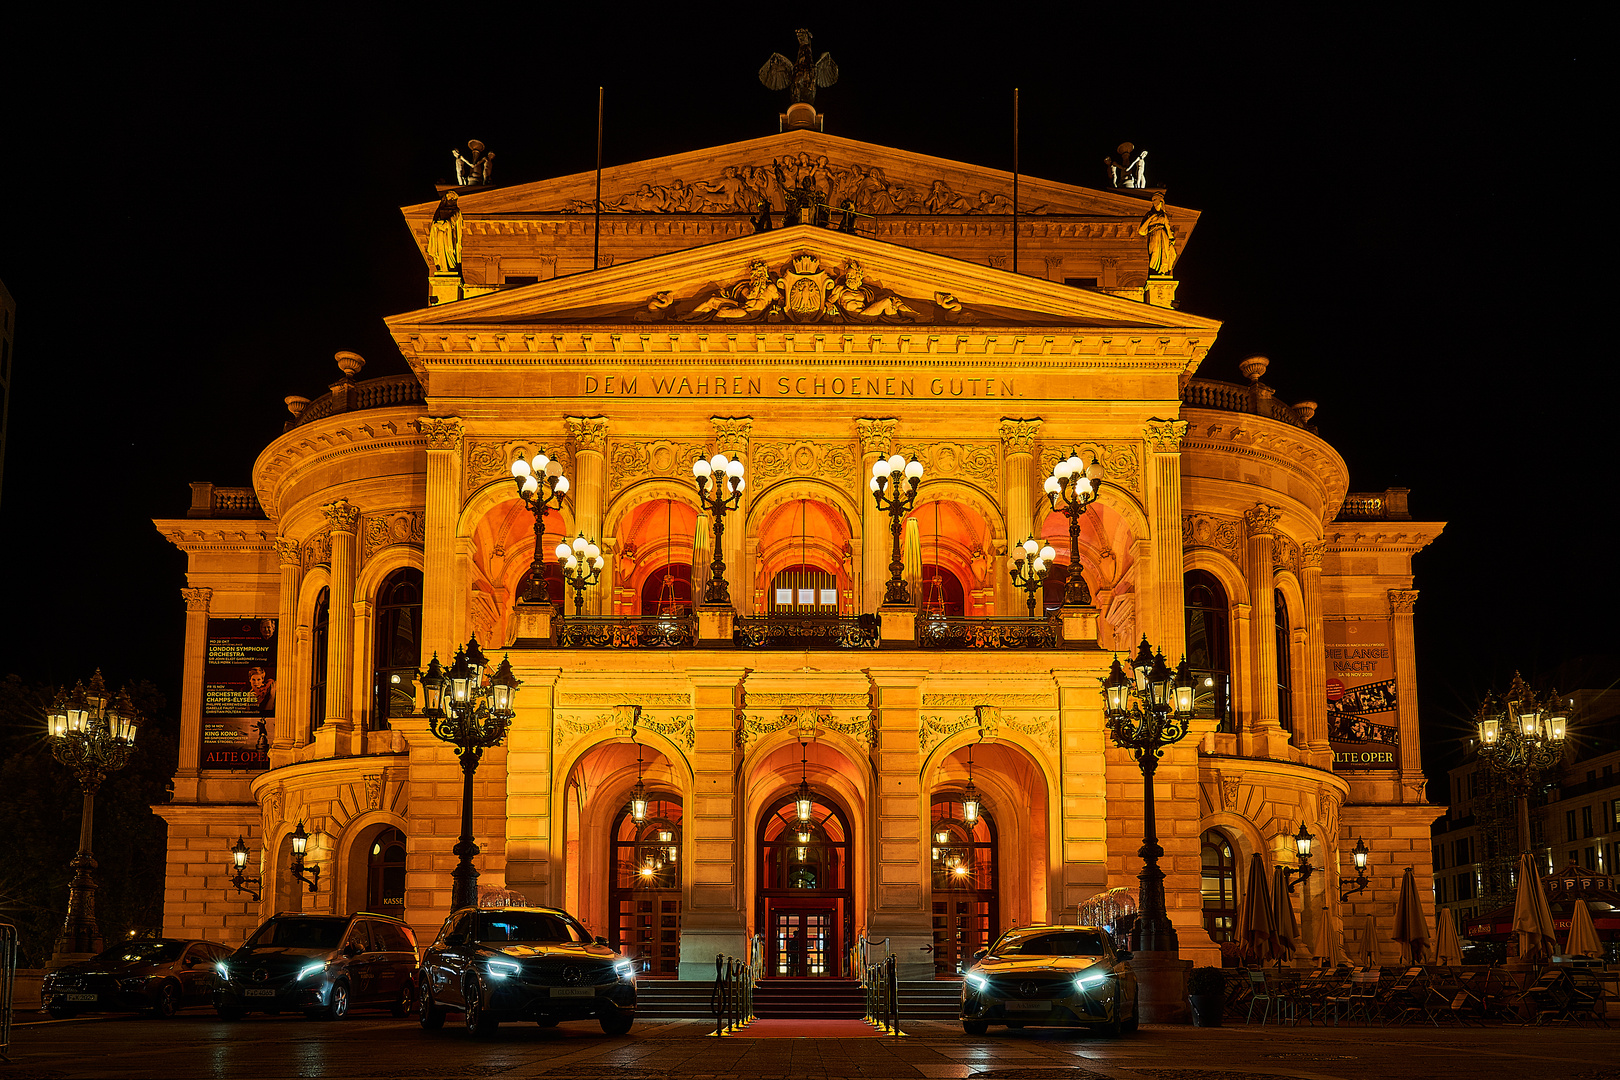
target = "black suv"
x: 524, y: 964
x: 323, y: 964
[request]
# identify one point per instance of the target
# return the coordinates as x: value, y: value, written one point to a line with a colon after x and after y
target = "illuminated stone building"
x: 384, y: 526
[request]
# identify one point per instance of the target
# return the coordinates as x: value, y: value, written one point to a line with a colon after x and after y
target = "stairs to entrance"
x: 809, y: 999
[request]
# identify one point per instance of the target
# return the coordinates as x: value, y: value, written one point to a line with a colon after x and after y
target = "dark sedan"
x: 534, y: 964
x: 1050, y: 976
x: 159, y: 974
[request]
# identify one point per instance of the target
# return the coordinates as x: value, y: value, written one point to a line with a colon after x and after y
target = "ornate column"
x: 1262, y: 530
x: 191, y: 692
x: 1315, y: 734
x: 344, y: 516
x: 731, y: 434
x: 1163, y: 619
x: 590, y: 489
x: 289, y: 700
x: 439, y: 594
x: 1402, y: 640
x: 877, y: 440
x: 1018, y: 448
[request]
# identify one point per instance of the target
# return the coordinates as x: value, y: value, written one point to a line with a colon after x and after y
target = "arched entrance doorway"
x: 385, y: 873
x: 805, y: 900
x: 645, y: 895
x: 965, y: 913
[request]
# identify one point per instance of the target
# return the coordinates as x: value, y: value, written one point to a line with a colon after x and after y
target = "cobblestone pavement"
x: 365, y: 1047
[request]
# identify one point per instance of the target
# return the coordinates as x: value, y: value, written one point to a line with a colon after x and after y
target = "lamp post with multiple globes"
x: 92, y: 734
x: 1028, y: 569
x: 1521, y: 739
x: 1071, y: 488
x: 581, y: 564
x: 894, y: 486
x: 471, y: 714
x: 541, y: 485
x: 725, y: 475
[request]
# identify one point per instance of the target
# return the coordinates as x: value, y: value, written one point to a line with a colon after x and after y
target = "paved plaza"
x: 270, y: 1048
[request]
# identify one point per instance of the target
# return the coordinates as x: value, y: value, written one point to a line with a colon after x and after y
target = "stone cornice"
x: 218, y: 536
x: 1276, y: 443
x: 312, y: 444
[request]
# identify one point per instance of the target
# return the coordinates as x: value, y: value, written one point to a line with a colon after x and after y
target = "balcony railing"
x: 1257, y: 399
x: 807, y: 631
x: 647, y: 632
x: 347, y: 395
x: 946, y: 632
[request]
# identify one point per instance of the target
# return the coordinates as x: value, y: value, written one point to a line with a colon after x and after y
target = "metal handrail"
x: 883, y: 996
x: 732, y: 999
x: 8, y: 983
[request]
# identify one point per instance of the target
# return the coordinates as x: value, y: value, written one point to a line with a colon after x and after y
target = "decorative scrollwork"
x: 935, y: 632
x: 653, y: 632
x: 824, y: 631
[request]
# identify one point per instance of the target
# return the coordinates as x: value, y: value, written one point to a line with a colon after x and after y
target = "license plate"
x: 1028, y: 1006
x: 81, y: 997
x: 573, y: 991
x: 258, y: 993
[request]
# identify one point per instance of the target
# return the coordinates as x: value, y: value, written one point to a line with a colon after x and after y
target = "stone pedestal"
x: 1161, y: 987
x: 534, y: 624
x: 897, y: 626
x: 715, y: 622
x: 1079, y: 625
x: 1161, y: 291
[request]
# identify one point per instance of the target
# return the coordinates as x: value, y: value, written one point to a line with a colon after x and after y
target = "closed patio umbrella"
x: 1447, y: 945
x: 1410, y: 929
x: 1257, y: 919
x: 1583, y: 938
x: 1287, y: 924
x: 1532, y: 917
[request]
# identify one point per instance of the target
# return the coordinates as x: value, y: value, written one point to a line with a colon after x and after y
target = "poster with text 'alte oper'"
x: 239, y: 690
x: 1362, y: 725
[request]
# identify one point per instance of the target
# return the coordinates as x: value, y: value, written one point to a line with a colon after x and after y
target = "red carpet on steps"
x: 809, y: 1029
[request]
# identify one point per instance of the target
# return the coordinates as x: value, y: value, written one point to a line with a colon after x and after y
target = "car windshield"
x: 298, y: 934
x: 1050, y: 943
x: 527, y: 927
x: 143, y: 952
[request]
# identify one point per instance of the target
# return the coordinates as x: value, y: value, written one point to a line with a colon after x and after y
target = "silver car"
x: 1050, y: 976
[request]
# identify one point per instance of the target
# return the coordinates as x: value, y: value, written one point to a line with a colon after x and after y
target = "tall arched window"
x: 320, y: 625
x: 942, y: 592
x: 667, y: 591
x: 399, y: 645
x: 1208, y: 649
x: 1219, y: 886
x: 1285, y: 690
x: 804, y: 590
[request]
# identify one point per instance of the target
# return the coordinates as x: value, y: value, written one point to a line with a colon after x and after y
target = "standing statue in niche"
x: 1130, y: 171
x: 444, y: 235
x: 473, y: 167
x: 1161, y: 238
x: 799, y: 76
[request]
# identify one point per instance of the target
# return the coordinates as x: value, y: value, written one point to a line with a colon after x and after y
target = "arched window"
x: 804, y: 590
x: 1285, y: 692
x: 320, y: 626
x: 399, y: 645
x: 385, y: 874
x: 1208, y: 649
x: 1219, y: 886
x: 942, y: 592
x: 667, y: 591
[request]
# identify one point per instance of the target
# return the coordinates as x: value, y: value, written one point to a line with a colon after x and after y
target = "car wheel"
x: 975, y: 1027
x: 167, y: 1001
x: 480, y: 1025
x: 402, y: 1005
x: 61, y: 1012
x: 546, y: 1021
x: 616, y: 1023
x: 429, y: 1013
x: 227, y: 1013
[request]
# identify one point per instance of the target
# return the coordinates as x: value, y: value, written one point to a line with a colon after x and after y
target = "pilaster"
x: 439, y: 594
x: 289, y: 703
x: 1164, y: 620
x: 1018, y: 449
x: 343, y: 516
x: 191, y: 692
x: 877, y: 441
x: 589, y: 490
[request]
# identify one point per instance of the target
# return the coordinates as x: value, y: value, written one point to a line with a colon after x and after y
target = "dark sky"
x: 1398, y: 209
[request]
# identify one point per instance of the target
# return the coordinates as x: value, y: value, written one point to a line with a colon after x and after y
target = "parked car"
x: 1050, y: 976
x: 322, y: 964
x: 524, y: 963
x: 160, y: 974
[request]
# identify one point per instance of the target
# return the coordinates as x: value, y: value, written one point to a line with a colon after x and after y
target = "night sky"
x: 1398, y: 209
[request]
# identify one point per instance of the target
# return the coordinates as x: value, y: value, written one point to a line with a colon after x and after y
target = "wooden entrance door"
x: 802, y: 944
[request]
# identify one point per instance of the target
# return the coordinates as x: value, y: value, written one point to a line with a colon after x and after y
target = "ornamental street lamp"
x: 1521, y: 739
x: 240, y: 881
x: 472, y: 715
x: 894, y: 486
x: 1071, y: 488
x: 1302, y: 847
x: 1360, y: 855
x: 726, y: 475
x: 542, y: 485
x: 92, y: 735
x: 310, y: 875
x: 1145, y: 715
x: 1028, y: 569
x: 581, y: 564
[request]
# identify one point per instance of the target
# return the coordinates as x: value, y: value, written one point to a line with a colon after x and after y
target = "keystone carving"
x: 1164, y: 436
x: 588, y: 432
x: 441, y: 432
x: 1018, y: 436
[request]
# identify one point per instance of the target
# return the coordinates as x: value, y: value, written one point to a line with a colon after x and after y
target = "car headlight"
x: 312, y: 969
x: 501, y: 969
x: 625, y: 969
x: 979, y: 983
x: 1091, y: 980
x: 222, y: 971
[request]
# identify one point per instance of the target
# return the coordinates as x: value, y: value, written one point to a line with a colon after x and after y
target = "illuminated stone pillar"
x: 1403, y: 642
x: 731, y: 434
x: 343, y: 516
x: 589, y: 489
x: 898, y: 909
x: 1018, y: 446
x: 440, y: 596
x: 1163, y: 618
x: 289, y: 703
x: 713, y: 919
x: 1315, y: 734
x: 877, y: 441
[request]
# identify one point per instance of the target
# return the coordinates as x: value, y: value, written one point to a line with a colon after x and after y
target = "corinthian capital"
x: 196, y: 599
x: 1402, y: 601
x: 877, y: 436
x: 287, y: 551
x: 442, y: 432
x: 731, y: 433
x: 588, y: 432
x: 1261, y: 520
x: 1019, y: 435
x: 343, y: 515
x: 1164, y: 436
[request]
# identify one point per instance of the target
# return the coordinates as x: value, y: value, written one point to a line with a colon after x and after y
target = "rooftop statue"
x: 799, y: 76
x: 1130, y: 171
x: 473, y: 167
